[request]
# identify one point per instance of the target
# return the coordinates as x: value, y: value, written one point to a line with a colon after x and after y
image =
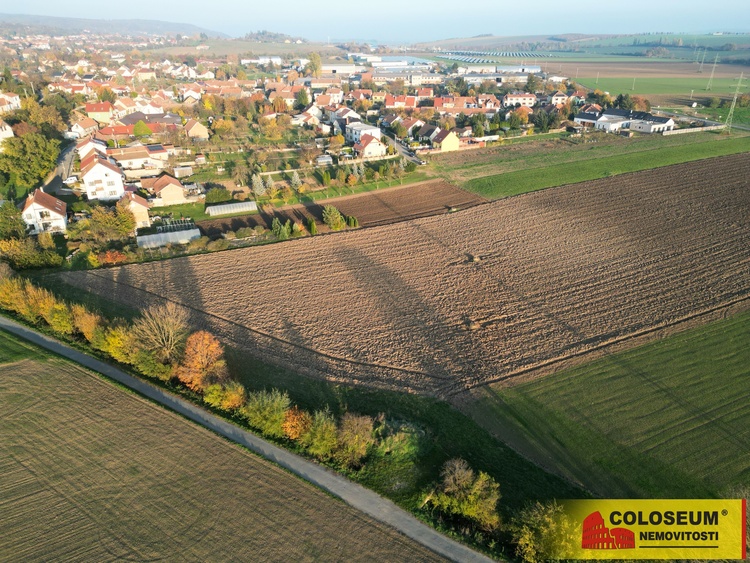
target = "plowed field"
x: 441, y: 304
x: 371, y: 208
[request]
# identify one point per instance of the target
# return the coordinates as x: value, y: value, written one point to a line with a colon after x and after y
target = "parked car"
x: 70, y: 180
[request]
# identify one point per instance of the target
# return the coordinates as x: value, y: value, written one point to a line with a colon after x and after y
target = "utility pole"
x: 713, y: 69
x: 700, y: 69
x: 734, y: 103
x: 633, y: 85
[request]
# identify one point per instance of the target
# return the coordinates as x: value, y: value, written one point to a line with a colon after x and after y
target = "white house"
x: 355, y: 131
x: 44, y: 213
x: 522, y: 99
x: 5, y: 133
x: 103, y: 180
x: 9, y: 102
x: 370, y: 147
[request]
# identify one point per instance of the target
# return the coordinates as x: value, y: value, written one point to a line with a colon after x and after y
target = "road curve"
x: 362, y: 499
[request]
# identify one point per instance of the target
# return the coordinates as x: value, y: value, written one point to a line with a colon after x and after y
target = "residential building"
x: 44, y: 213
x: 355, y: 131
x: 102, y: 179
x: 139, y: 208
x: 167, y: 189
x: 370, y: 147
x: 6, y: 132
x: 195, y: 130
x: 445, y: 141
x: 102, y: 112
x: 523, y: 99
x: 9, y: 102
x: 84, y: 127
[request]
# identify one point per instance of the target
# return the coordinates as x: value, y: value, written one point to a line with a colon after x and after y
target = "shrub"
x: 218, y: 195
x: 297, y: 229
x: 296, y: 423
x: 39, y: 304
x: 541, y: 531
x: 120, y: 343
x: 266, y: 410
x: 218, y: 244
x: 244, y: 232
x: 234, y: 396
x: 321, y: 439
x: 147, y: 363
x: 312, y: 226
x: 198, y: 244
x: 354, y: 439
x: 61, y: 319
x: 112, y: 258
x: 26, y: 253
x: 13, y: 294
x: 230, y: 235
x: 351, y: 221
x: 468, y: 496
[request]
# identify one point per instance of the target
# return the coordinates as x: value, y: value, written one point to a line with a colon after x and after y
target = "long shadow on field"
x: 435, y: 350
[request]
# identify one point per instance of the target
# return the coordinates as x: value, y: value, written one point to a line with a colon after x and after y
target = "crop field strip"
x: 91, y: 472
x: 667, y: 419
x: 382, y: 207
x: 558, y: 274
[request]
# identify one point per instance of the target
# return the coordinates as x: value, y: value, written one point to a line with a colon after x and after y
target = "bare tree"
x: 162, y: 329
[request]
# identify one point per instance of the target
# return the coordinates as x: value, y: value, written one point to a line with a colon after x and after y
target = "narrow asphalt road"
x: 54, y: 181
x: 355, y: 495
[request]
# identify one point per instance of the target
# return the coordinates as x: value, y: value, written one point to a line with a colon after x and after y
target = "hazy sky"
x: 405, y: 21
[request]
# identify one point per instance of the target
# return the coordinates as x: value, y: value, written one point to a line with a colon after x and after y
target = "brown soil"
x: 90, y: 472
x: 646, y: 69
x: 371, y: 208
x: 442, y: 304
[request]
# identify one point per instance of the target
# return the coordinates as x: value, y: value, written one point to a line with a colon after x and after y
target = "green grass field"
x: 668, y: 419
x: 90, y: 471
x: 592, y: 165
x: 677, y: 86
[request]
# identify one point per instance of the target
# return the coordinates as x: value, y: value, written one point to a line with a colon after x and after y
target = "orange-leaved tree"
x: 203, y: 362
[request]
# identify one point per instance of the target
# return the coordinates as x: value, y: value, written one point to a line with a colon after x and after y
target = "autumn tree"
x: 29, y: 158
x: 11, y: 222
x: 105, y: 224
x: 140, y: 129
x: 302, y: 99
x: 314, y: 65
x: 266, y: 411
x: 336, y: 142
x: 163, y: 329
x: 203, y: 361
x: 86, y: 322
x: 296, y: 423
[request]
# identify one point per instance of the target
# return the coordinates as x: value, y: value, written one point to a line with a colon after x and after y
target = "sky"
x: 405, y: 22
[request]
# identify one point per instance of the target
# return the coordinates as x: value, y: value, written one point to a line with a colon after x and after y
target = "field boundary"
x: 354, y: 495
x: 625, y: 342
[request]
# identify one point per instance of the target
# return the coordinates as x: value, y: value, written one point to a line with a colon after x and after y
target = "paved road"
x: 64, y: 165
x: 360, y: 498
x: 401, y: 149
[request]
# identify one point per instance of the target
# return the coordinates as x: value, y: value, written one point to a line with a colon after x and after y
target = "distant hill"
x: 52, y: 25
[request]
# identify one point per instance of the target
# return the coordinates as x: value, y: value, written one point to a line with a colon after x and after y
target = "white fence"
x: 693, y: 130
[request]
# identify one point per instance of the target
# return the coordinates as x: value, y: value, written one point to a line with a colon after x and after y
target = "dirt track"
x: 557, y: 274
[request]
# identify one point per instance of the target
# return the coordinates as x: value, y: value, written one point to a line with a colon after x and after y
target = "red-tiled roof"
x: 45, y: 200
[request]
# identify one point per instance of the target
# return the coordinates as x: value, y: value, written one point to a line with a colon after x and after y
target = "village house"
x: 613, y: 120
x: 84, y: 127
x: 196, y: 131
x: 6, y: 132
x: 9, y: 102
x: 370, y: 147
x: 445, y: 141
x: 102, y: 179
x: 101, y: 112
x: 355, y: 131
x: 134, y: 158
x: 166, y: 190
x: 139, y: 207
x: 44, y: 213
x: 523, y: 99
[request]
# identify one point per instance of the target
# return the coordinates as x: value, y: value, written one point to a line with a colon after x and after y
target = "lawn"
x: 670, y: 419
x: 93, y: 472
x: 549, y: 170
